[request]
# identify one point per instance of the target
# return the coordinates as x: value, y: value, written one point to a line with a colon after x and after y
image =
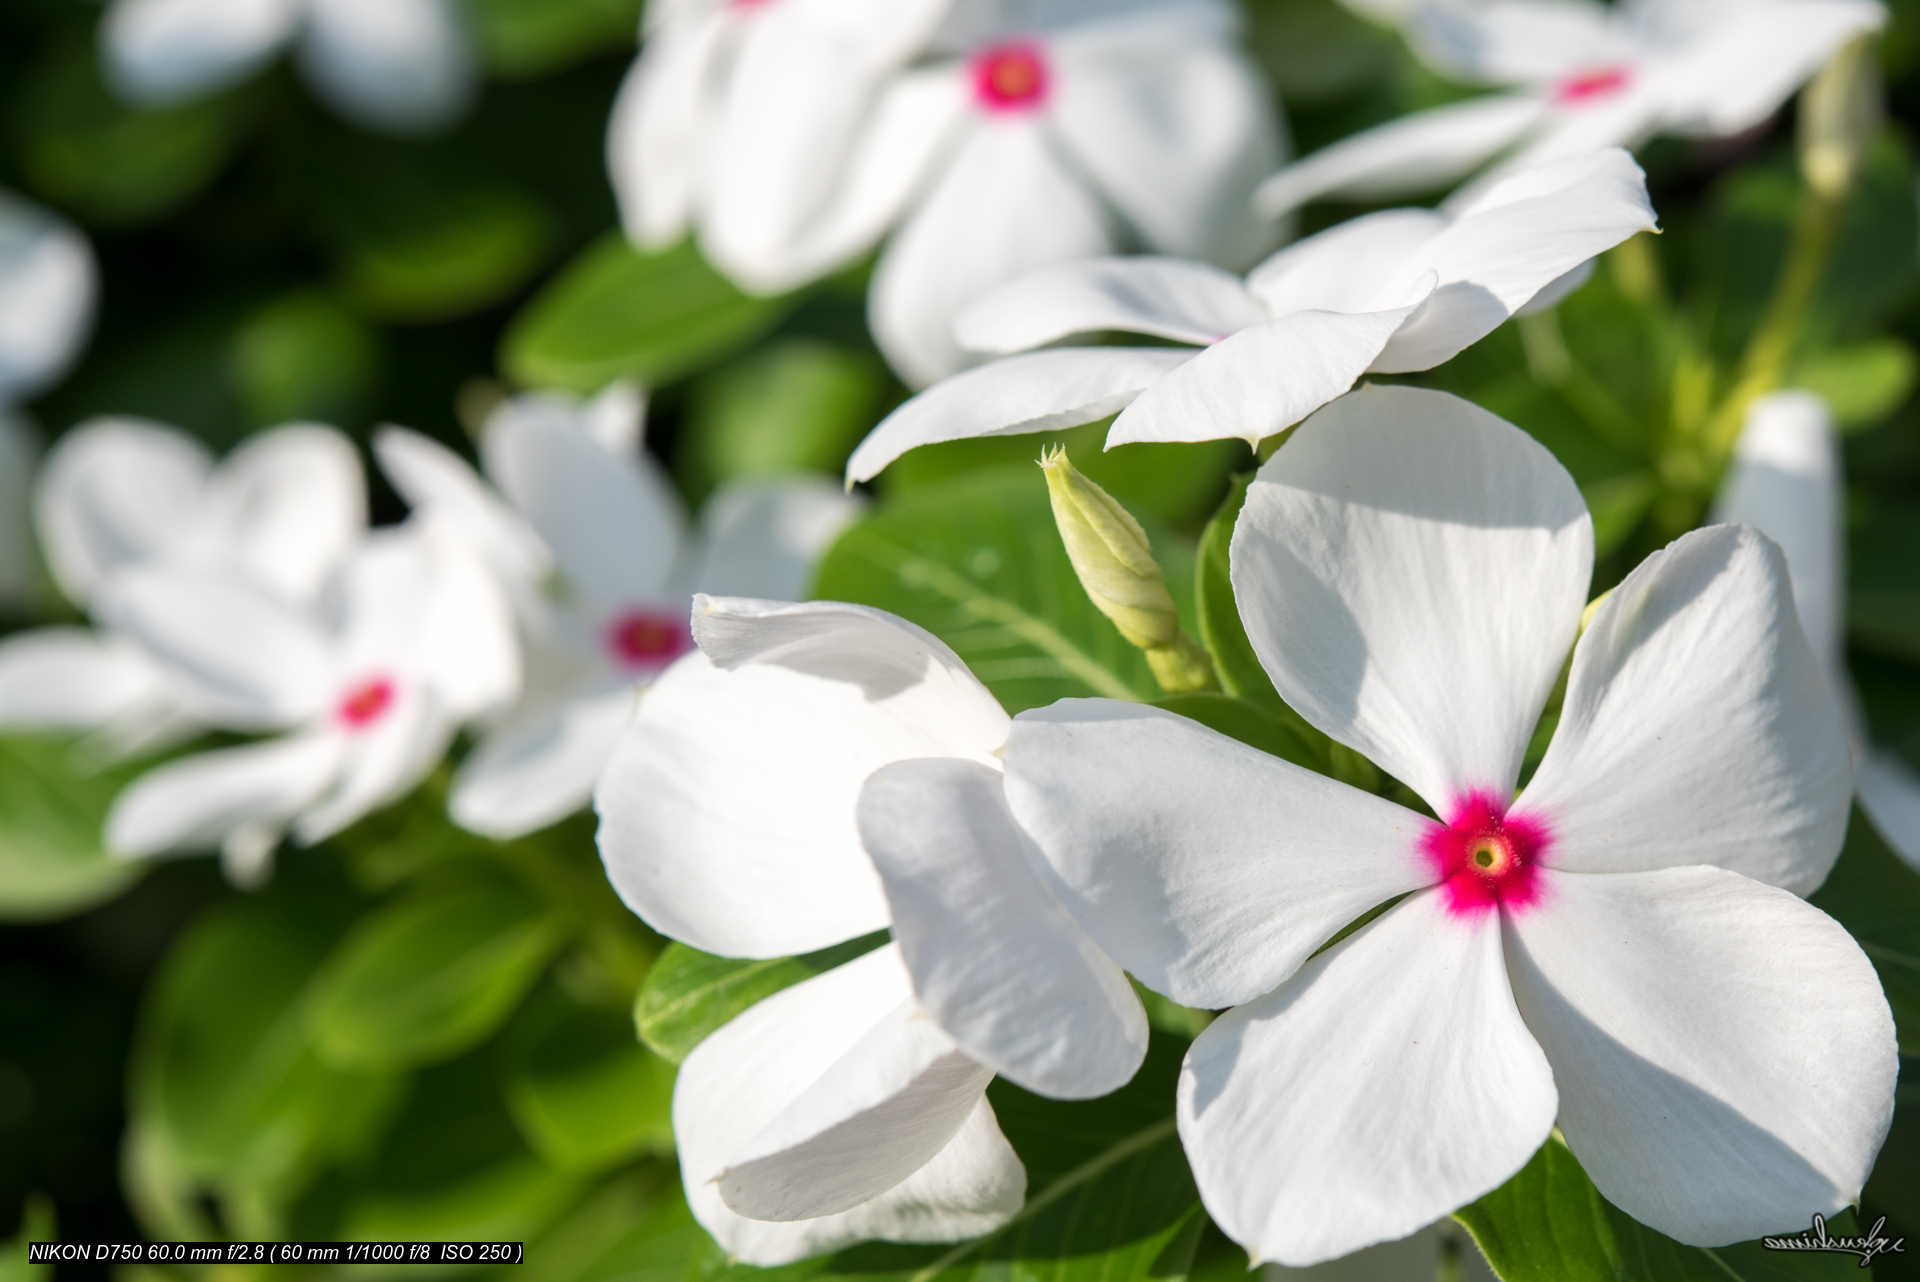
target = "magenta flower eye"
x: 365, y: 703
x: 1010, y: 77
x: 1485, y: 857
x: 647, y: 640
x: 1589, y: 86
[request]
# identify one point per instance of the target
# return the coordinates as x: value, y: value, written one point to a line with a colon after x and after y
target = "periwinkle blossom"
x: 400, y: 66
x: 1786, y: 480
x: 1578, y: 75
x: 997, y: 137
x: 817, y: 772
x: 116, y: 495
x: 1619, y: 950
x: 586, y: 534
x: 1390, y: 292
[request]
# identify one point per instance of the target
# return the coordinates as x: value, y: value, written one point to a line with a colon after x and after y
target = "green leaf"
x: 1221, y: 631
x: 798, y: 405
x: 688, y: 993
x: 1877, y: 898
x: 615, y: 312
x: 977, y: 562
x: 1883, y: 582
x: 1862, y: 383
x: 1238, y: 719
x: 521, y: 39
x: 303, y: 357
x: 472, y: 250
x: 634, y: 1228
x: 37, y: 1224
x: 584, y: 1093
x: 1618, y: 504
x: 1549, y: 1224
x: 51, y: 812
x: 432, y: 973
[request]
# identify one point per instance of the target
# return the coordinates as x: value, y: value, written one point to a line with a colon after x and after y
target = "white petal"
x: 1037, y: 392
x: 1505, y: 42
x: 1737, y: 72
x: 48, y: 281
x: 1405, y: 157
x: 381, y: 763
x: 288, y: 505
x: 405, y: 66
x: 653, y: 138
x: 1725, y: 1056
x: 1006, y: 205
x: 192, y: 804
x: 113, y: 492
x: 996, y: 961
x: 1261, y: 380
x: 747, y: 1074
x: 1393, y: 1073
x: 1168, y: 297
x: 1411, y: 570
x: 161, y: 51
x: 540, y: 767
x: 763, y: 538
x: 613, y: 521
x: 445, y: 491
x: 617, y: 417
x: 1522, y: 235
x: 1178, y: 133
x: 1785, y: 481
x: 1697, y: 727
x: 1207, y: 868
x: 727, y: 811
x: 71, y: 679
x: 1889, y: 792
x: 235, y: 655
x: 1360, y: 265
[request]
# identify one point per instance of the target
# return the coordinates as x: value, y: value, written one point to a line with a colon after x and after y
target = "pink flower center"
x: 648, y: 640
x: 1485, y: 858
x: 1010, y: 77
x: 1602, y: 82
x: 365, y: 703
x: 743, y: 6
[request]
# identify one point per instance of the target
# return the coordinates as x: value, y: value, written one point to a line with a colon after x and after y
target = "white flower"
x: 1585, y: 75
x: 1400, y: 290
x: 19, y: 450
x: 815, y: 773
x: 115, y: 495
x: 1786, y: 481
x: 365, y: 693
x: 1619, y: 950
x: 582, y: 500
x: 1001, y: 137
x: 404, y: 66
x: 48, y: 281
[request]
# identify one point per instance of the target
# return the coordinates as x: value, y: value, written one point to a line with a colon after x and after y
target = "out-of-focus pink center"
x: 1486, y: 858
x: 741, y: 6
x: 1589, y: 86
x: 365, y: 702
x: 645, y: 640
x: 1010, y: 77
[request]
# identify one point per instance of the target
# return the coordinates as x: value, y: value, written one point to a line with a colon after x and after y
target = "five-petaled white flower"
x: 814, y: 773
x: 1001, y: 136
x: 1619, y: 949
x: 1399, y: 290
x: 403, y: 66
x: 591, y: 544
x: 115, y: 495
x: 1786, y: 481
x: 1584, y: 75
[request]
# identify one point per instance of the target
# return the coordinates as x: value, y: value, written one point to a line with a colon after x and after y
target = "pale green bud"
x: 1840, y: 112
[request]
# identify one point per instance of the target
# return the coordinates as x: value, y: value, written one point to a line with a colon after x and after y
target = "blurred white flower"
x: 1618, y: 950
x: 364, y: 692
x: 591, y: 543
x: 1584, y: 75
x: 19, y: 566
x: 115, y: 495
x: 48, y: 283
x: 1000, y: 136
x: 1404, y: 289
x: 817, y: 772
x: 1786, y: 481
x: 403, y: 66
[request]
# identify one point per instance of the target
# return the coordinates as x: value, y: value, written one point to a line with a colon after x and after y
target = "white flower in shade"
x: 814, y: 773
x: 48, y: 282
x: 403, y: 66
x: 115, y: 495
x: 1400, y: 290
x: 590, y: 539
x: 1619, y: 950
x: 363, y: 693
x: 19, y: 567
x: 1582, y: 75
x: 1786, y: 481
x: 999, y: 137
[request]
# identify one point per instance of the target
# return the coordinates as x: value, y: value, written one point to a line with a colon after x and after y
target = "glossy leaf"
x: 1862, y: 383
x: 798, y: 405
x: 689, y: 994
x: 473, y: 251
x: 615, y: 312
x: 51, y: 812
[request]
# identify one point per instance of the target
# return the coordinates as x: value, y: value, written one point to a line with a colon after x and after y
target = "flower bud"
x: 1840, y: 112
